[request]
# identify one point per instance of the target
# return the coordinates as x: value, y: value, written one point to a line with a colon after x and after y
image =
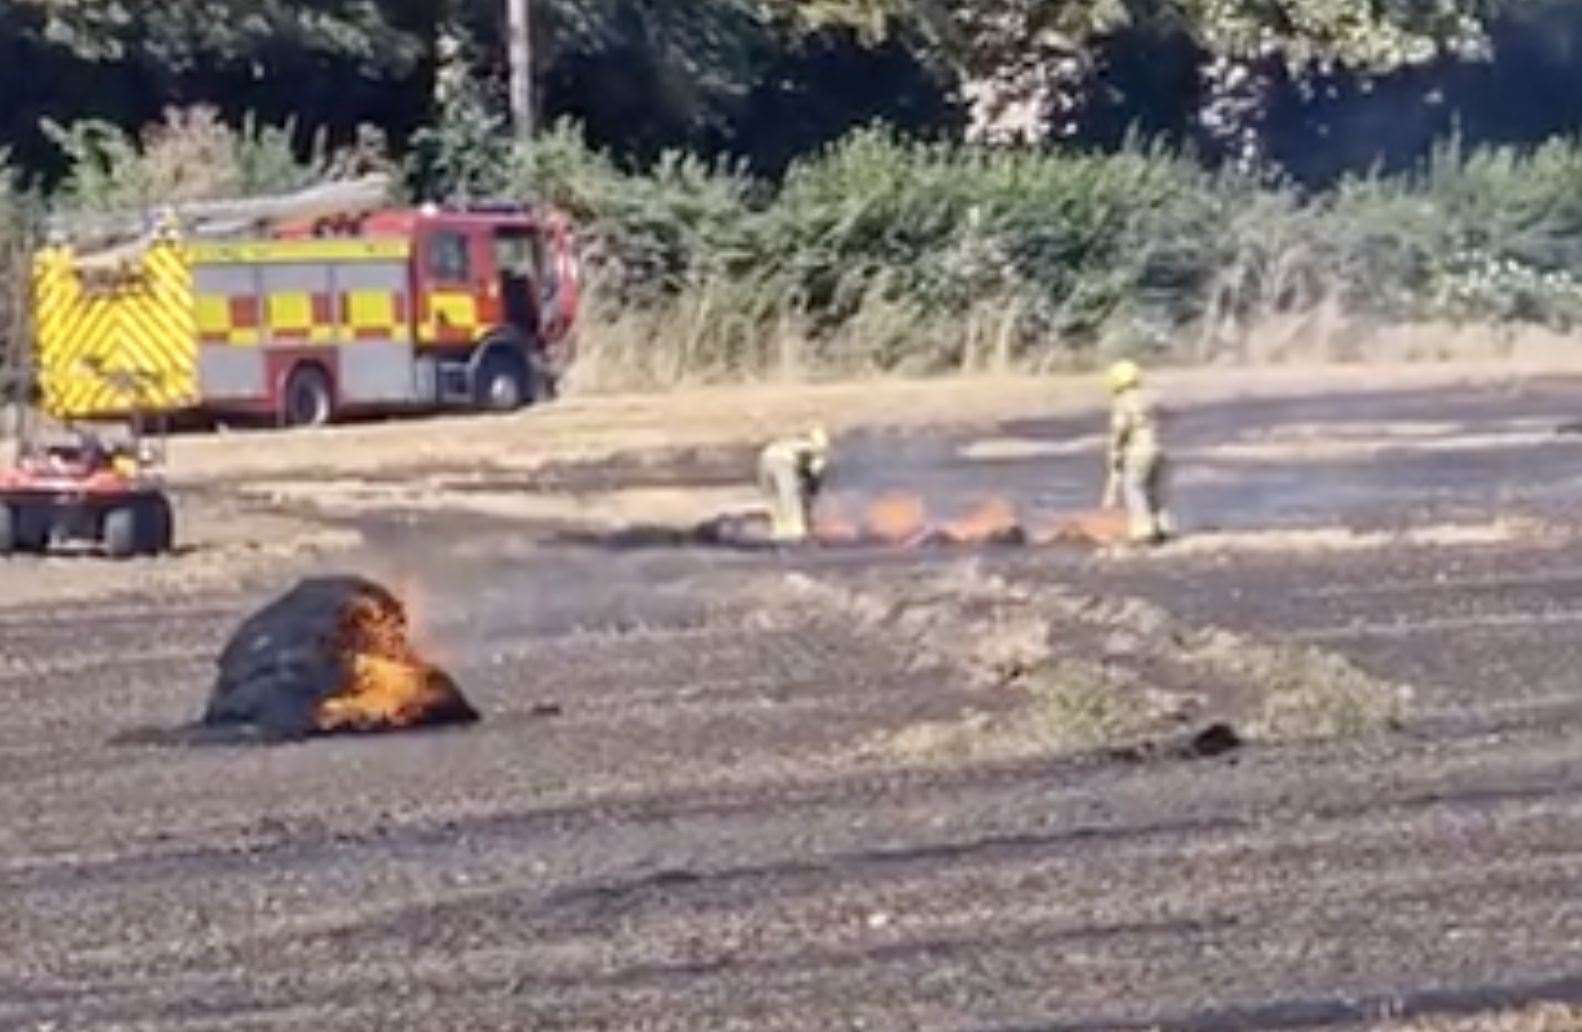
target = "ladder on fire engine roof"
x: 106, y: 239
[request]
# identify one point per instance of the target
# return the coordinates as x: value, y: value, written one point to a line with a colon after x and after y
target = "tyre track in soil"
x: 647, y: 863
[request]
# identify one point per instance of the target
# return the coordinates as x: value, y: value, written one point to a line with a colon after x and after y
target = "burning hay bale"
x: 332, y: 655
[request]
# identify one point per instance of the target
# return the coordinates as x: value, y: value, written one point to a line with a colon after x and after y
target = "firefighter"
x: 1137, y: 464
x: 791, y: 472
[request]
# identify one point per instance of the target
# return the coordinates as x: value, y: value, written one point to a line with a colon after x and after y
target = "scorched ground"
x: 683, y: 810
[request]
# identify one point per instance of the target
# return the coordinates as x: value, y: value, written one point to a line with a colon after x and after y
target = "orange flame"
x: 386, y: 684
x: 897, y: 518
x: 834, y: 525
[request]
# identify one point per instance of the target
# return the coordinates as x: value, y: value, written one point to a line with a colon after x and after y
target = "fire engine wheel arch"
x: 503, y: 374
x: 307, y: 395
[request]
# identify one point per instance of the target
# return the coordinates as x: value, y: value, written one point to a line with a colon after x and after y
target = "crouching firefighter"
x: 1138, y: 469
x: 791, y: 472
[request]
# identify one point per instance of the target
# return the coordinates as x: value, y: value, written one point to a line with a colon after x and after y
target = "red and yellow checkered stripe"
x: 303, y: 292
x: 118, y: 339
x: 304, y: 317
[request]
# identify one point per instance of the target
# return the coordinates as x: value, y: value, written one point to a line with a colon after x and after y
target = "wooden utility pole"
x: 520, y: 30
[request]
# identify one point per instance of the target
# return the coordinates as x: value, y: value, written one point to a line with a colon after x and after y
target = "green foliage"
x: 178, y: 34
x: 19, y: 219
x: 467, y: 154
x: 192, y: 155
x: 981, y: 35
x: 882, y: 253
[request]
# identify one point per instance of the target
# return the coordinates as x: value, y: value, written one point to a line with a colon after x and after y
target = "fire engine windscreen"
x: 332, y: 655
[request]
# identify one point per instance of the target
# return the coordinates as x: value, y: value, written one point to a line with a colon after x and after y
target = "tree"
x: 1023, y: 64
x: 181, y: 34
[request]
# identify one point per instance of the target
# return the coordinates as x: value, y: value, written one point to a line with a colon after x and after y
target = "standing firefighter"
x: 791, y: 471
x: 1137, y: 464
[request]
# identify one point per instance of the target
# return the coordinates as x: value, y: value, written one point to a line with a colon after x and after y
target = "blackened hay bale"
x: 330, y: 655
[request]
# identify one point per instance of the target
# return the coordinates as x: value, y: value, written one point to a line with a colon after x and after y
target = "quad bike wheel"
x: 140, y: 527
x: 23, y: 527
x: 158, y: 526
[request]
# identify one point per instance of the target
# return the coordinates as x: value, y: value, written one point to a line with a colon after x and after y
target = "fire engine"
x: 322, y: 315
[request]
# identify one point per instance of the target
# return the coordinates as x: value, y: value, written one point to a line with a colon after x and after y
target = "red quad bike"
x: 82, y: 488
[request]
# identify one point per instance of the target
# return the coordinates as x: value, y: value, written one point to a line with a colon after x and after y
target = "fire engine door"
x: 516, y: 258
x: 453, y: 288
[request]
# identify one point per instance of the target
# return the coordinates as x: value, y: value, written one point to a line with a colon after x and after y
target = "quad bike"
x: 79, y: 486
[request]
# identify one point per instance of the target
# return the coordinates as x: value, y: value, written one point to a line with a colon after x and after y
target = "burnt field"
x: 862, y: 787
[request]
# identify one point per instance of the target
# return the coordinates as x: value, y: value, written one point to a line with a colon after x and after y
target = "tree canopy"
x: 767, y: 78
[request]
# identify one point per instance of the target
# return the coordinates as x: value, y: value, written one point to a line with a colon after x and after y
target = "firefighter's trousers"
x: 790, y: 498
x: 1145, y: 486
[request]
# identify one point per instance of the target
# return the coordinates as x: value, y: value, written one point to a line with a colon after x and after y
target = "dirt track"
x: 698, y: 833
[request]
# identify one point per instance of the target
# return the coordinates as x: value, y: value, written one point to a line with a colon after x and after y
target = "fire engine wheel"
x: 308, y: 400
x: 502, y: 384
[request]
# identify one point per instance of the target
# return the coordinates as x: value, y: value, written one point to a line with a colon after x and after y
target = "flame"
x: 833, y: 524
x: 386, y: 683
x: 994, y: 519
x: 897, y: 518
x: 420, y: 609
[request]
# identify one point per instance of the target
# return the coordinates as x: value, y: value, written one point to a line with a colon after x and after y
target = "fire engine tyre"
x: 308, y: 399
x: 503, y: 383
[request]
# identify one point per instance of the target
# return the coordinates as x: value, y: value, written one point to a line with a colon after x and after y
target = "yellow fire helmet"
x: 818, y: 437
x: 1123, y: 375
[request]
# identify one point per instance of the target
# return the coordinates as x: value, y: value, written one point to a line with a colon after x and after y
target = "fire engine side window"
x: 514, y: 252
x: 447, y: 257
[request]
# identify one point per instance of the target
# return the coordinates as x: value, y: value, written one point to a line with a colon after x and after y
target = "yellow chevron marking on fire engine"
x: 138, y: 322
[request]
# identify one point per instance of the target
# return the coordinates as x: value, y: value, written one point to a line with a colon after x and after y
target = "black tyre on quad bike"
x: 120, y: 532
x: 156, y: 525
x: 140, y: 527
x: 23, y: 528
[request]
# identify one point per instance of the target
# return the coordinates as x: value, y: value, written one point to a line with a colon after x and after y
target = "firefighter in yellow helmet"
x: 791, y: 472
x: 1137, y: 465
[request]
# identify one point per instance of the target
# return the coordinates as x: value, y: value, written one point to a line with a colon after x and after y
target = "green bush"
x: 191, y: 156
x: 19, y: 220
